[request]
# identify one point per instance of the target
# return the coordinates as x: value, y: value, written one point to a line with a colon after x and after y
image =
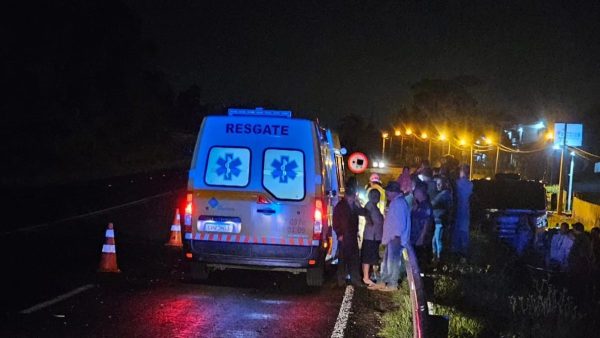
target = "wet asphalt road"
x: 152, y: 296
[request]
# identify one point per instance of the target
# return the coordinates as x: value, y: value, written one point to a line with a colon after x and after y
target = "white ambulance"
x: 261, y: 190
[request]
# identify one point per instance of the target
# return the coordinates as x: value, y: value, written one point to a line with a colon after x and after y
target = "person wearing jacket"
x: 345, y: 224
x: 442, y: 205
x: 396, y: 235
x: 460, y: 233
x: 371, y: 236
x: 421, y: 224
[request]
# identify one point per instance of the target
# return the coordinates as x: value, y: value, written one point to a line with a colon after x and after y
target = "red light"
x: 187, y: 219
x: 262, y: 200
x: 318, y: 221
x: 188, y: 255
x: 312, y: 262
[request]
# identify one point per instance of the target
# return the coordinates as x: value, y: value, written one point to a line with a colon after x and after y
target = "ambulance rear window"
x: 228, y: 166
x: 283, y: 173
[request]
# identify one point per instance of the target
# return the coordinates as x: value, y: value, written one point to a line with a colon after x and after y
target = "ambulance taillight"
x: 187, y: 219
x: 318, y: 219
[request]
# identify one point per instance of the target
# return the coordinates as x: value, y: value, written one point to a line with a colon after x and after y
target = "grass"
x: 494, y: 295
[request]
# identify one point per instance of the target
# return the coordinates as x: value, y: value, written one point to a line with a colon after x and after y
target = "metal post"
x: 401, y: 149
x: 449, y: 146
x: 429, y: 152
x: 497, y: 158
x: 570, y: 197
x: 561, y: 181
x: 382, y: 147
x: 471, y: 164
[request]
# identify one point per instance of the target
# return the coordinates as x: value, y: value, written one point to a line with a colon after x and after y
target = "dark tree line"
x: 83, y: 93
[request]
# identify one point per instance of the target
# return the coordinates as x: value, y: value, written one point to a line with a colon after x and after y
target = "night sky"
x: 100, y: 83
x: 362, y: 57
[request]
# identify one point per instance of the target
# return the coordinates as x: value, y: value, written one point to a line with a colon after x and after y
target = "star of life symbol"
x: 284, y: 169
x: 229, y: 166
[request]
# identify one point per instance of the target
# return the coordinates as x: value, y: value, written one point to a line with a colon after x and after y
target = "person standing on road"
x: 375, y: 183
x: 396, y: 235
x: 345, y: 225
x: 405, y: 180
x: 560, y: 248
x: 442, y: 205
x: 421, y: 224
x: 464, y: 190
x: 371, y: 236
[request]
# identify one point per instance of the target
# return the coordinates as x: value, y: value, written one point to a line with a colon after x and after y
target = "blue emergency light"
x: 259, y: 112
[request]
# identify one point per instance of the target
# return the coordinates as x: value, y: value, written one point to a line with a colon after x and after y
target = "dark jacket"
x: 345, y: 218
x: 442, y: 205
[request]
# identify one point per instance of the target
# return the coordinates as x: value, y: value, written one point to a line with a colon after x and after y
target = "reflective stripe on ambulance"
x: 203, y: 236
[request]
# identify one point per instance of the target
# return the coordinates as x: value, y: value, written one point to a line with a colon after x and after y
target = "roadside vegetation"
x: 495, y: 294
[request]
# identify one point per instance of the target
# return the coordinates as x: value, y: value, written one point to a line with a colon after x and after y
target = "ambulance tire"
x: 314, y: 276
x: 198, y: 271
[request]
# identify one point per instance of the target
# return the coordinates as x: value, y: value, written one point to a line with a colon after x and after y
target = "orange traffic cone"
x: 175, y: 239
x: 108, y: 262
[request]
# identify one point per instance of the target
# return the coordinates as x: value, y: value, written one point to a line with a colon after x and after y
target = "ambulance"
x: 261, y: 191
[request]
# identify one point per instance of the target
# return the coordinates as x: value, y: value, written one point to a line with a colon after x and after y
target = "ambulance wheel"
x: 198, y: 271
x: 314, y: 276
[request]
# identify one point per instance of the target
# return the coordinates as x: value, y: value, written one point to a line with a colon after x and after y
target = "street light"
x: 425, y: 137
x: 443, y: 137
x: 384, y: 136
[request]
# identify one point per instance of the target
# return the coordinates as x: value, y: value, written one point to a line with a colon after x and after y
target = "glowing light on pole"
x: 384, y: 136
x: 443, y: 137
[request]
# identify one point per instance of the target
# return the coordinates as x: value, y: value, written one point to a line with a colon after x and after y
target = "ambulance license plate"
x: 220, y: 224
x: 217, y: 227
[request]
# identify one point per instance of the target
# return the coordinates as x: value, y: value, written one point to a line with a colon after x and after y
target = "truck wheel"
x: 314, y: 276
x: 199, y: 271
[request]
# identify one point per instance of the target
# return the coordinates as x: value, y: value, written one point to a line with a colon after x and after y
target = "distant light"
x: 462, y: 142
x: 343, y: 151
x: 550, y: 135
x: 442, y: 137
x: 375, y: 164
x: 488, y: 141
x: 477, y: 142
x: 385, y: 135
x: 539, y: 125
x: 556, y: 146
x: 423, y: 135
x: 381, y: 164
x: 408, y: 131
x: 520, y: 130
x: 572, y: 153
x: 488, y: 178
x: 397, y: 132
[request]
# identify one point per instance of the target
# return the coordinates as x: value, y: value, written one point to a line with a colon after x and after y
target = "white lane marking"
x: 261, y: 316
x: 342, y: 319
x: 57, y: 299
x: 274, y: 301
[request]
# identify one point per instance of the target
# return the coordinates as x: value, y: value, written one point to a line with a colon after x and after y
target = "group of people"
x: 574, y: 250
x: 416, y: 210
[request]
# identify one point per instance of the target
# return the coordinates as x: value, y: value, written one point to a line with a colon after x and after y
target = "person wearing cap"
x: 345, y: 225
x: 396, y: 235
x: 375, y: 183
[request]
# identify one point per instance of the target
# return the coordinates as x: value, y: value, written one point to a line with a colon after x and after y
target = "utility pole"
x: 559, y: 204
x: 471, y: 164
x: 429, y: 151
x: 570, y: 197
x: 497, y: 158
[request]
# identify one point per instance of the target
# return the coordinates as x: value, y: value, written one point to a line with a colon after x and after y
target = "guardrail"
x: 420, y: 313
x: 424, y: 324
